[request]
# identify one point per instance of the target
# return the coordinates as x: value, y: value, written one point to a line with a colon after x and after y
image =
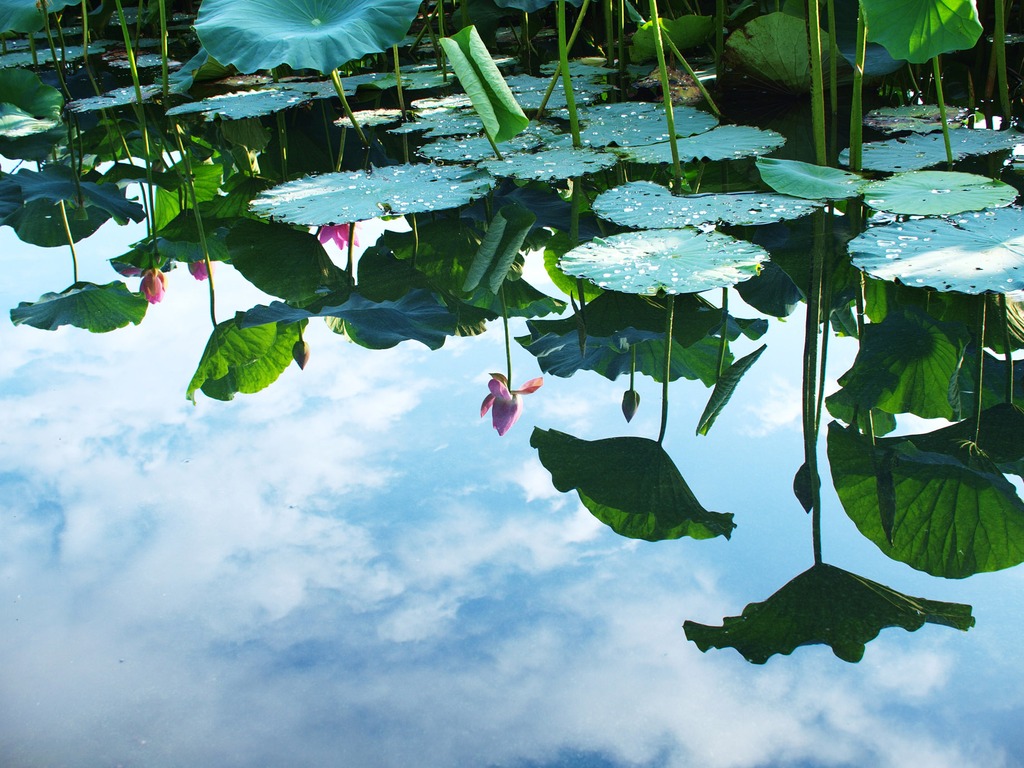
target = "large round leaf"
x: 726, y: 142
x: 647, y: 205
x: 917, y: 151
x: 551, y: 164
x: 772, y: 50
x: 305, y: 34
x: 919, y: 30
x: 634, y: 123
x: 336, y: 198
x: 813, y: 182
x: 27, y: 106
x: 936, y: 193
x: 96, y: 308
x: 979, y: 252
x: 25, y: 16
x: 668, y: 260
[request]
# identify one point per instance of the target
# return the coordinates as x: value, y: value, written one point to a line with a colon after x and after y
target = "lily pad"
x: 828, y: 606
x: 118, y: 97
x: 442, y: 121
x: 726, y: 142
x: 919, y: 118
x: 809, y: 181
x: 27, y: 106
x: 477, y: 148
x: 394, y: 190
x: 647, y: 205
x: 254, y: 34
x: 370, y: 117
x: 936, y: 193
x: 529, y: 91
x: 96, y: 308
x: 917, y: 152
x: 630, y: 484
x: 241, y: 104
x: 551, y: 164
x: 636, y: 123
x: 976, y: 253
x: 43, y: 56
x: 665, y: 260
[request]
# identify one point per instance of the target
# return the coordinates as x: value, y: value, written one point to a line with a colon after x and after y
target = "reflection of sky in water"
x: 351, y: 568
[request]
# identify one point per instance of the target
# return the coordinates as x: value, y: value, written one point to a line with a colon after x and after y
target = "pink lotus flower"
x: 366, y: 233
x: 507, y: 405
x: 154, y: 285
x: 339, y: 235
x: 198, y: 269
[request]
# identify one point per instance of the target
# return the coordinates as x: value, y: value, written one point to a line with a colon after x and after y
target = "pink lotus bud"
x: 301, y: 353
x: 154, y: 285
x: 630, y: 402
x: 198, y: 269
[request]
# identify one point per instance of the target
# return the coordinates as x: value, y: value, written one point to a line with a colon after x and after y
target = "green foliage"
x: 96, y: 308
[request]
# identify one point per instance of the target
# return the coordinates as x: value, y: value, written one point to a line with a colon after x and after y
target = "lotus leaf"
x: 665, y: 260
x: 812, y: 182
x: 475, y: 149
x: 241, y: 104
x: 978, y: 252
x: 25, y: 15
x: 825, y: 605
x: 551, y: 164
x: 322, y: 35
x: 394, y: 190
x: 96, y: 308
x: 27, y: 106
x: 43, y: 56
x: 530, y: 6
x: 635, y: 123
x: 441, y: 121
x: 647, y: 205
x: 772, y: 49
x: 685, y: 32
x: 931, y: 193
x: 726, y: 142
x: 920, y: 30
x: 115, y: 98
x: 919, y: 118
x: 529, y: 91
x: 916, y: 152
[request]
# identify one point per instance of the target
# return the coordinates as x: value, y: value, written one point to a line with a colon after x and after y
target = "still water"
x: 352, y: 568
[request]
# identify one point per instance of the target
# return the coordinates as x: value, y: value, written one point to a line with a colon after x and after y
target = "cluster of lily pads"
x: 292, y: 122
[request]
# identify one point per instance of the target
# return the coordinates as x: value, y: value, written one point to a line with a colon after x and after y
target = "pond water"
x: 211, y: 556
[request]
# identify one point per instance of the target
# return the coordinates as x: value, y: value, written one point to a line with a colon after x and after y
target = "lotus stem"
x: 350, y: 265
x: 689, y: 70
x: 57, y: 65
x: 622, y: 43
x: 508, y: 338
x: 999, y: 56
x: 563, y: 58
x: 162, y: 4
x: 1007, y: 349
x: 724, y: 344
x: 336, y: 79
x: 666, y: 95
x: 670, y: 306
x: 980, y: 375
x: 554, y: 78
x: 398, y: 79
x: 719, y: 35
x: 71, y: 240
x: 609, y: 35
x: 811, y: 382
x: 817, y: 82
x: 857, y: 99
x: 942, y: 111
x: 190, y: 188
x: 833, y: 59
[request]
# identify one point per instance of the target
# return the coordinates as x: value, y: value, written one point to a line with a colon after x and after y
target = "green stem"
x: 724, y: 344
x: 999, y: 53
x: 563, y: 58
x: 336, y: 79
x: 857, y: 101
x: 689, y: 70
x: 508, y: 338
x: 979, y: 379
x: 670, y: 305
x: 555, y: 77
x: 810, y: 386
x: 666, y: 94
x: 833, y: 60
x: 942, y: 111
x: 1008, y: 350
x: 190, y: 187
x: 398, y: 78
x: 609, y: 35
x: 163, y: 47
x: 817, y: 82
x: 71, y: 240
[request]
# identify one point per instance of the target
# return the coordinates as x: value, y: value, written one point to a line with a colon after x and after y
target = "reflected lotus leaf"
x: 505, y: 236
x: 931, y: 193
x: 916, y: 152
x: 975, y: 253
x: 630, y: 484
x: 665, y: 260
x: 96, y: 308
x: 647, y: 205
x: 809, y: 181
x: 26, y: 105
x: 637, y: 123
x: 243, y: 360
x: 726, y: 142
x: 394, y: 190
x: 262, y: 34
x: 920, y: 30
x: 825, y: 605
x: 908, y: 363
x: 416, y: 316
x: 724, y: 388
x: 550, y: 164
x: 241, y: 104
x: 57, y: 183
x: 953, y: 513
x: 919, y: 118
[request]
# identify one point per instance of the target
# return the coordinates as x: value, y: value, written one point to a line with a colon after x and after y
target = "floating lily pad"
x: 43, y: 56
x: 551, y: 164
x: 936, y: 193
x: 977, y: 253
x: 254, y: 35
x: 393, y: 190
x: 636, y: 123
x: 726, y: 142
x: 27, y: 106
x: 242, y: 104
x: 647, y: 205
x: 828, y: 606
x: 917, y: 152
x: 919, y: 118
x: 629, y: 484
x: 440, y: 122
x: 813, y: 182
x: 476, y: 148
x: 96, y: 308
x: 118, y: 97
x: 529, y: 91
x: 668, y: 260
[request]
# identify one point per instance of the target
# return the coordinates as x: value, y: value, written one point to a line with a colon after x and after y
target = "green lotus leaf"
x: 551, y: 164
x: 920, y: 30
x: 952, y: 513
x: 636, y: 123
x: 25, y: 15
x: 96, y: 308
x: 43, y: 56
x: 118, y: 97
x: 825, y: 605
x: 442, y: 121
x: 919, y: 118
x: 726, y: 142
x: 936, y: 193
x: 724, y: 388
x: 917, y: 151
x: 646, y: 205
x: 335, y: 198
x: 812, y: 182
x: 322, y: 35
x: 630, y: 484
x: 241, y: 104
x: 978, y: 252
x: 475, y: 149
x: 27, y: 106
x: 529, y: 91
x: 772, y: 50
x: 530, y: 6
x: 685, y: 32
x: 665, y: 260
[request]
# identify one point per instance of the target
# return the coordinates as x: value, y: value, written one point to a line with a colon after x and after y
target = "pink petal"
x: 531, y: 386
x: 506, y: 413
x: 498, y: 387
x: 485, y: 406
